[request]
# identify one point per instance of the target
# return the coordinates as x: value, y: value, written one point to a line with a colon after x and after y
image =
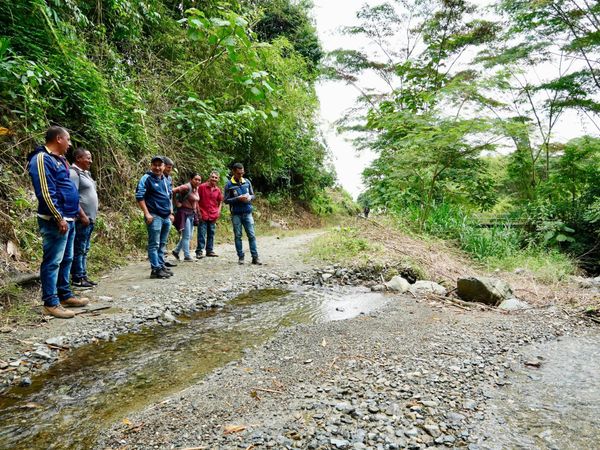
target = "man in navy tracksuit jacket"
x: 238, y: 194
x: 58, y: 207
x: 153, y: 194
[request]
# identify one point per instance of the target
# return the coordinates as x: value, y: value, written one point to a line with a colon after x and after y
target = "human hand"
x: 172, y: 218
x: 149, y: 218
x: 84, y: 219
x: 63, y: 227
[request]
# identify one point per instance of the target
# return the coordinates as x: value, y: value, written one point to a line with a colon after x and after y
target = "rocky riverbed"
x: 415, y: 373
x: 411, y: 375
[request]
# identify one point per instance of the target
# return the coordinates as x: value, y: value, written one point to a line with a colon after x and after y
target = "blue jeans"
x: 247, y: 221
x: 56, y: 262
x: 186, y: 236
x: 206, y: 236
x: 81, y: 247
x: 158, y: 235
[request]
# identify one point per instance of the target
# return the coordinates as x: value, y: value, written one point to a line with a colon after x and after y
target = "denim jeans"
x: 56, y: 262
x: 81, y: 247
x: 246, y: 221
x: 186, y: 236
x: 206, y: 236
x: 158, y: 235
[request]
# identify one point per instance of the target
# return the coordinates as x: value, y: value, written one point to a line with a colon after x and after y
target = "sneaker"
x: 74, y: 302
x: 188, y: 258
x: 159, y: 273
x: 175, y: 254
x: 83, y: 284
x: 211, y: 254
x: 199, y: 255
x: 167, y: 271
x: 241, y: 261
x: 93, y: 283
x: 59, y: 312
x: 256, y: 261
x: 170, y: 264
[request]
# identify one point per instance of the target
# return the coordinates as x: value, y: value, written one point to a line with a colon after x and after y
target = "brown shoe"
x: 212, y: 254
x: 74, y: 302
x: 59, y: 312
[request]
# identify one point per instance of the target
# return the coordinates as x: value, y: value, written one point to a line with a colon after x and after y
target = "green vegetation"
x: 344, y: 245
x: 205, y: 83
x: 465, y: 132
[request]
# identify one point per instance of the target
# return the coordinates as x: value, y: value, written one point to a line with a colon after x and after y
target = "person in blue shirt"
x: 238, y: 194
x: 58, y: 207
x: 153, y: 195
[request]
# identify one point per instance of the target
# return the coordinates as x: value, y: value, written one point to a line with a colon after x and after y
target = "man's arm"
x: 45, y: 189
x: 140, y: 193
x: 74, y: 176
x: 144, y: 208
x: 250, y: 191
x: 227, y: 195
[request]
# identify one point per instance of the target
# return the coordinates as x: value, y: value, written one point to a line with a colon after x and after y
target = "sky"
x: 337, y: 97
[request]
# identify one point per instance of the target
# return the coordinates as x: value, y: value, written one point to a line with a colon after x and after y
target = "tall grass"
x: 500, y: 246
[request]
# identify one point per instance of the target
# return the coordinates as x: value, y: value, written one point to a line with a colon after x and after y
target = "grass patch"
x: 547, y: 266
x: 344, y: 245
x: 498, y: 247
x: 17, y: 306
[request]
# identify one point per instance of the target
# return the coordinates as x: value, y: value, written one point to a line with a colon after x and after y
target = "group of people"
x: 192, y: 203
x: 68, y: 207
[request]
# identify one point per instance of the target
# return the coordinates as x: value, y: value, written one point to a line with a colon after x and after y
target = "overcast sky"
x: 337, y: 97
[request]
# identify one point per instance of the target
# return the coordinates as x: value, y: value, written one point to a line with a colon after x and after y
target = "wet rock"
x: 490, y: 291
x: 339, y: 443
x: 58, y: 341
x: 167, y: 316
x: 103, y: 336
x: 398, y: 284
x: 423, y: 287
x: 42, y: 353
x: 513, y: 304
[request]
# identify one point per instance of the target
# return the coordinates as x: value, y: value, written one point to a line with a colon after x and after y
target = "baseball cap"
x: 158, y: 158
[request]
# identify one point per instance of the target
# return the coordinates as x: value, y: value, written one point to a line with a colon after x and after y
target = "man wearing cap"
x: 153, y: 195
x: 58, y: 207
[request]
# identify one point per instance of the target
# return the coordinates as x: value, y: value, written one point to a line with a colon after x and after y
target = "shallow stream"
x: 555, y: 406
x: 97, y: 384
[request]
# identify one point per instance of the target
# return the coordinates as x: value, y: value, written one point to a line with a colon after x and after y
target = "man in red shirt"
x: 209, y: 210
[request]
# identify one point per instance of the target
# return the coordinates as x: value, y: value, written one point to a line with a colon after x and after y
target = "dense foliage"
x: 466, y: 125
x: 206, y: 83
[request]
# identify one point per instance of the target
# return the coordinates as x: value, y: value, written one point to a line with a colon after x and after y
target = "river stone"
x: 427, y: 287
x: 490, y: 291
x: 513, y: 304
x: 398, y: 284
x: 58, y: 341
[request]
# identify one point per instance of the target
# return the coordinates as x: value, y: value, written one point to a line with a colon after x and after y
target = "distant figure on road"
x: 238, y: 194
x: 58, y: 207
x: 88, y: 211
x: 366, y: 211
x: 209, y: 210
x: 186, y: 200
x: 153, y: 195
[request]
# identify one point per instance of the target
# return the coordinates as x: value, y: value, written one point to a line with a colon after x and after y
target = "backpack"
x: 180, y: 198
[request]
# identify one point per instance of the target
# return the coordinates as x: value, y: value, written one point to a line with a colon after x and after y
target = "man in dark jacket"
x: 58, y: 207
x: 238, y: 194
x: 153, y: 194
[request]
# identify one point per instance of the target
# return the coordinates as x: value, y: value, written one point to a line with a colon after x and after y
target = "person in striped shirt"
x: 58, y: 207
